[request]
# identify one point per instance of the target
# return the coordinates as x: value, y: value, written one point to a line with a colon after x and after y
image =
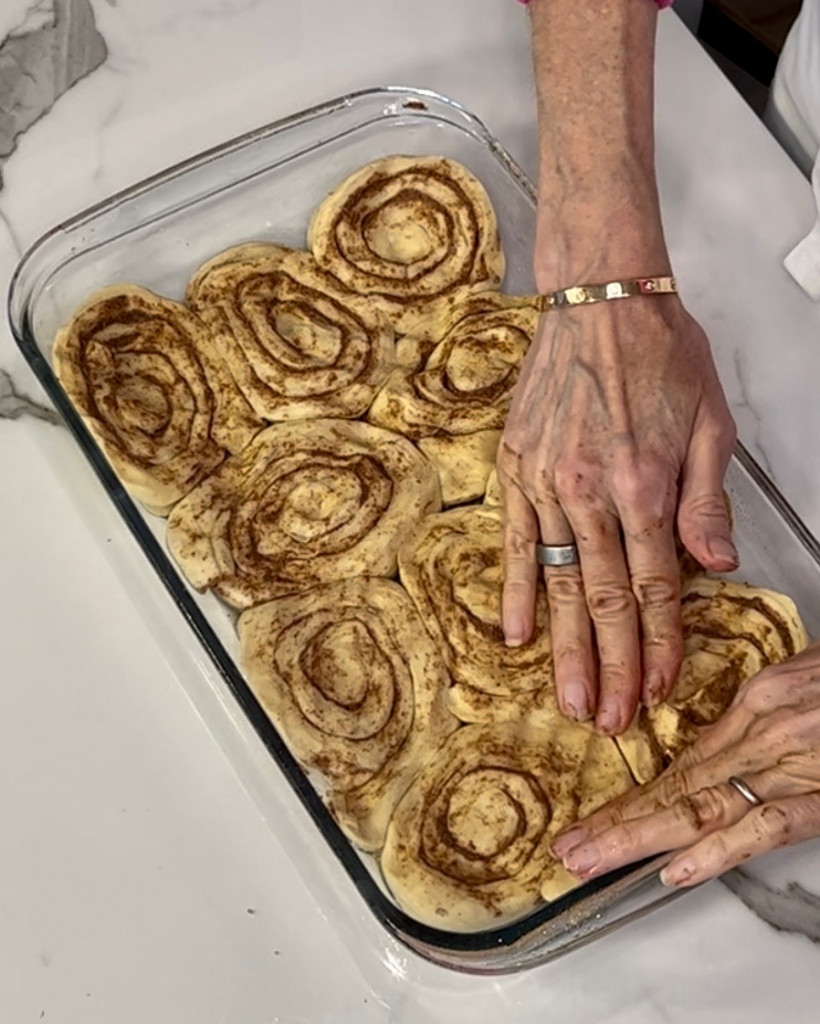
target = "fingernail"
x: 567, y: 841
x: 608, y: 719
x: 513, y: 629
x: 583, y: 858
x: 653, y: 688
x: 724, y: 550
x: 678, y: 872
x: 575, y: 701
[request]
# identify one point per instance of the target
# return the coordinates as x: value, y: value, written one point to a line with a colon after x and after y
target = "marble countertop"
x: 138, y: 879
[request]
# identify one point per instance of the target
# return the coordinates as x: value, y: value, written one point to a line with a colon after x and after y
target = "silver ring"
x: 745, y: 791
x: 556, y: 554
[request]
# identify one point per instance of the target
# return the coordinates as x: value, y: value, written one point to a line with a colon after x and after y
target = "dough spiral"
x: 297, y: 343
x: 139, y: 370
x: 409, y: 232
x: 465, y: 383
x: 468, y: 847
x: 451, y: 567
x: 348, y: 674
x: 305, y: 503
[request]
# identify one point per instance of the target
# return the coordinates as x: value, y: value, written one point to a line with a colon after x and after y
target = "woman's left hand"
x: 770, y: 738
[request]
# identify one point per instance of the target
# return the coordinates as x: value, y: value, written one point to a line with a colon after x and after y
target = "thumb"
x: 703, y: 512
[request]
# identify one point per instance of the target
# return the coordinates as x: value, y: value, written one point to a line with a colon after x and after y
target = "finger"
x: 520, y: 568
x: 765, y: 828
x: 703, y: 519
x: 573, y: 651
x: 716, y: 756
x: 613, y: 610
x: 780, y: 762
x: 683, y: 821
x: 680, y: 825
x: 646, y: 504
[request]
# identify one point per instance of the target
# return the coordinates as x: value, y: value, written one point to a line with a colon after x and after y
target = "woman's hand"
x: 618, y: 430
x: 618, y: 424
x: 770, y: 737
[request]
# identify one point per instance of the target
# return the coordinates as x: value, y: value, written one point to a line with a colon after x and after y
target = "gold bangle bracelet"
x: 584, y: 294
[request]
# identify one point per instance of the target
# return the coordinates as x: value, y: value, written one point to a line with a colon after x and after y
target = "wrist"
x: 588, y: 242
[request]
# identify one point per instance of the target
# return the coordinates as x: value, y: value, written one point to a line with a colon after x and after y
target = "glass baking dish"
x: 264, y: 185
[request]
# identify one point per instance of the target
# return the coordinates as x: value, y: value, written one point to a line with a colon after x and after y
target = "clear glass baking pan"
x: 264, y: 185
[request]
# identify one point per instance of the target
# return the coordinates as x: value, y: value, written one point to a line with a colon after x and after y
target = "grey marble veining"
x: 37, y: 66
x: 54, y: 46
x: 13, y: 404
x: 790, y: 909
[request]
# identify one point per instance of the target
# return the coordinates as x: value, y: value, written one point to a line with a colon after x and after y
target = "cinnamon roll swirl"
x: 140, y: 371
x: 409, y: 232
x: 466, y: 382
x: 297, y: 343
x: 453, y: 397
x: 357, y: 688
x: 451, y: 567
x: 731, y: 631
x: 468, y: 847
x: 305, y: 503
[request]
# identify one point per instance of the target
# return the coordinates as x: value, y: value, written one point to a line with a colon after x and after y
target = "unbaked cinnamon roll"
x: 468, y: 847
x: 305, y: 503
x: 466, y: 382
x: 297, y: 343
x: 140, y: 372
x: 356, y: 687
x: 731, y: 631
x: 409, y: 232
x: 451, y: 567
x: 456, y: 398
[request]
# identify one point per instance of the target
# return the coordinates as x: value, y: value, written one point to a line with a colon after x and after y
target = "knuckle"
x: 574, y: 478
x: 656, y: 593
x: 569, y: 650
x: 778, y: 731
x: 690, y: 757
x: 610, y: 601
x: 508, y: 457
x: 641, y: 481
x: 612, y: 817
x: 671, y: 789
x: 518, y: 543
x: 772, y: 825
x: 622, y: 838
x: 806, y: 728
x: 516, y: 583
x: 704, y: 809
x: 758, y: 694
x: 565, y: 588
x: 707, y: 505
x: 717, y: 850
x: 719, y: 429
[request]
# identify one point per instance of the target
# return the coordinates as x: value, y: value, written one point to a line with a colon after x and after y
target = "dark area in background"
x: 745, y: 38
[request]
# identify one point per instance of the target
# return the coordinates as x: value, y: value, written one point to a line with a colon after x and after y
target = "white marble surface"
x: 138, y: 880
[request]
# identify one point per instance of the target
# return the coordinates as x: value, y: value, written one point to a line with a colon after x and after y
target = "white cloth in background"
x: 794, y: 117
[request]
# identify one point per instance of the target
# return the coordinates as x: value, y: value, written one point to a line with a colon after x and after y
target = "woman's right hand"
x: 770, y: 738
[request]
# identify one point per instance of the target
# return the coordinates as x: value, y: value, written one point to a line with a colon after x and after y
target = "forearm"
x: 599, y: 217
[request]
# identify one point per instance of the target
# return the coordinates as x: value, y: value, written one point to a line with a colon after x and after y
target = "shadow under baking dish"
x: 264, y: 185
